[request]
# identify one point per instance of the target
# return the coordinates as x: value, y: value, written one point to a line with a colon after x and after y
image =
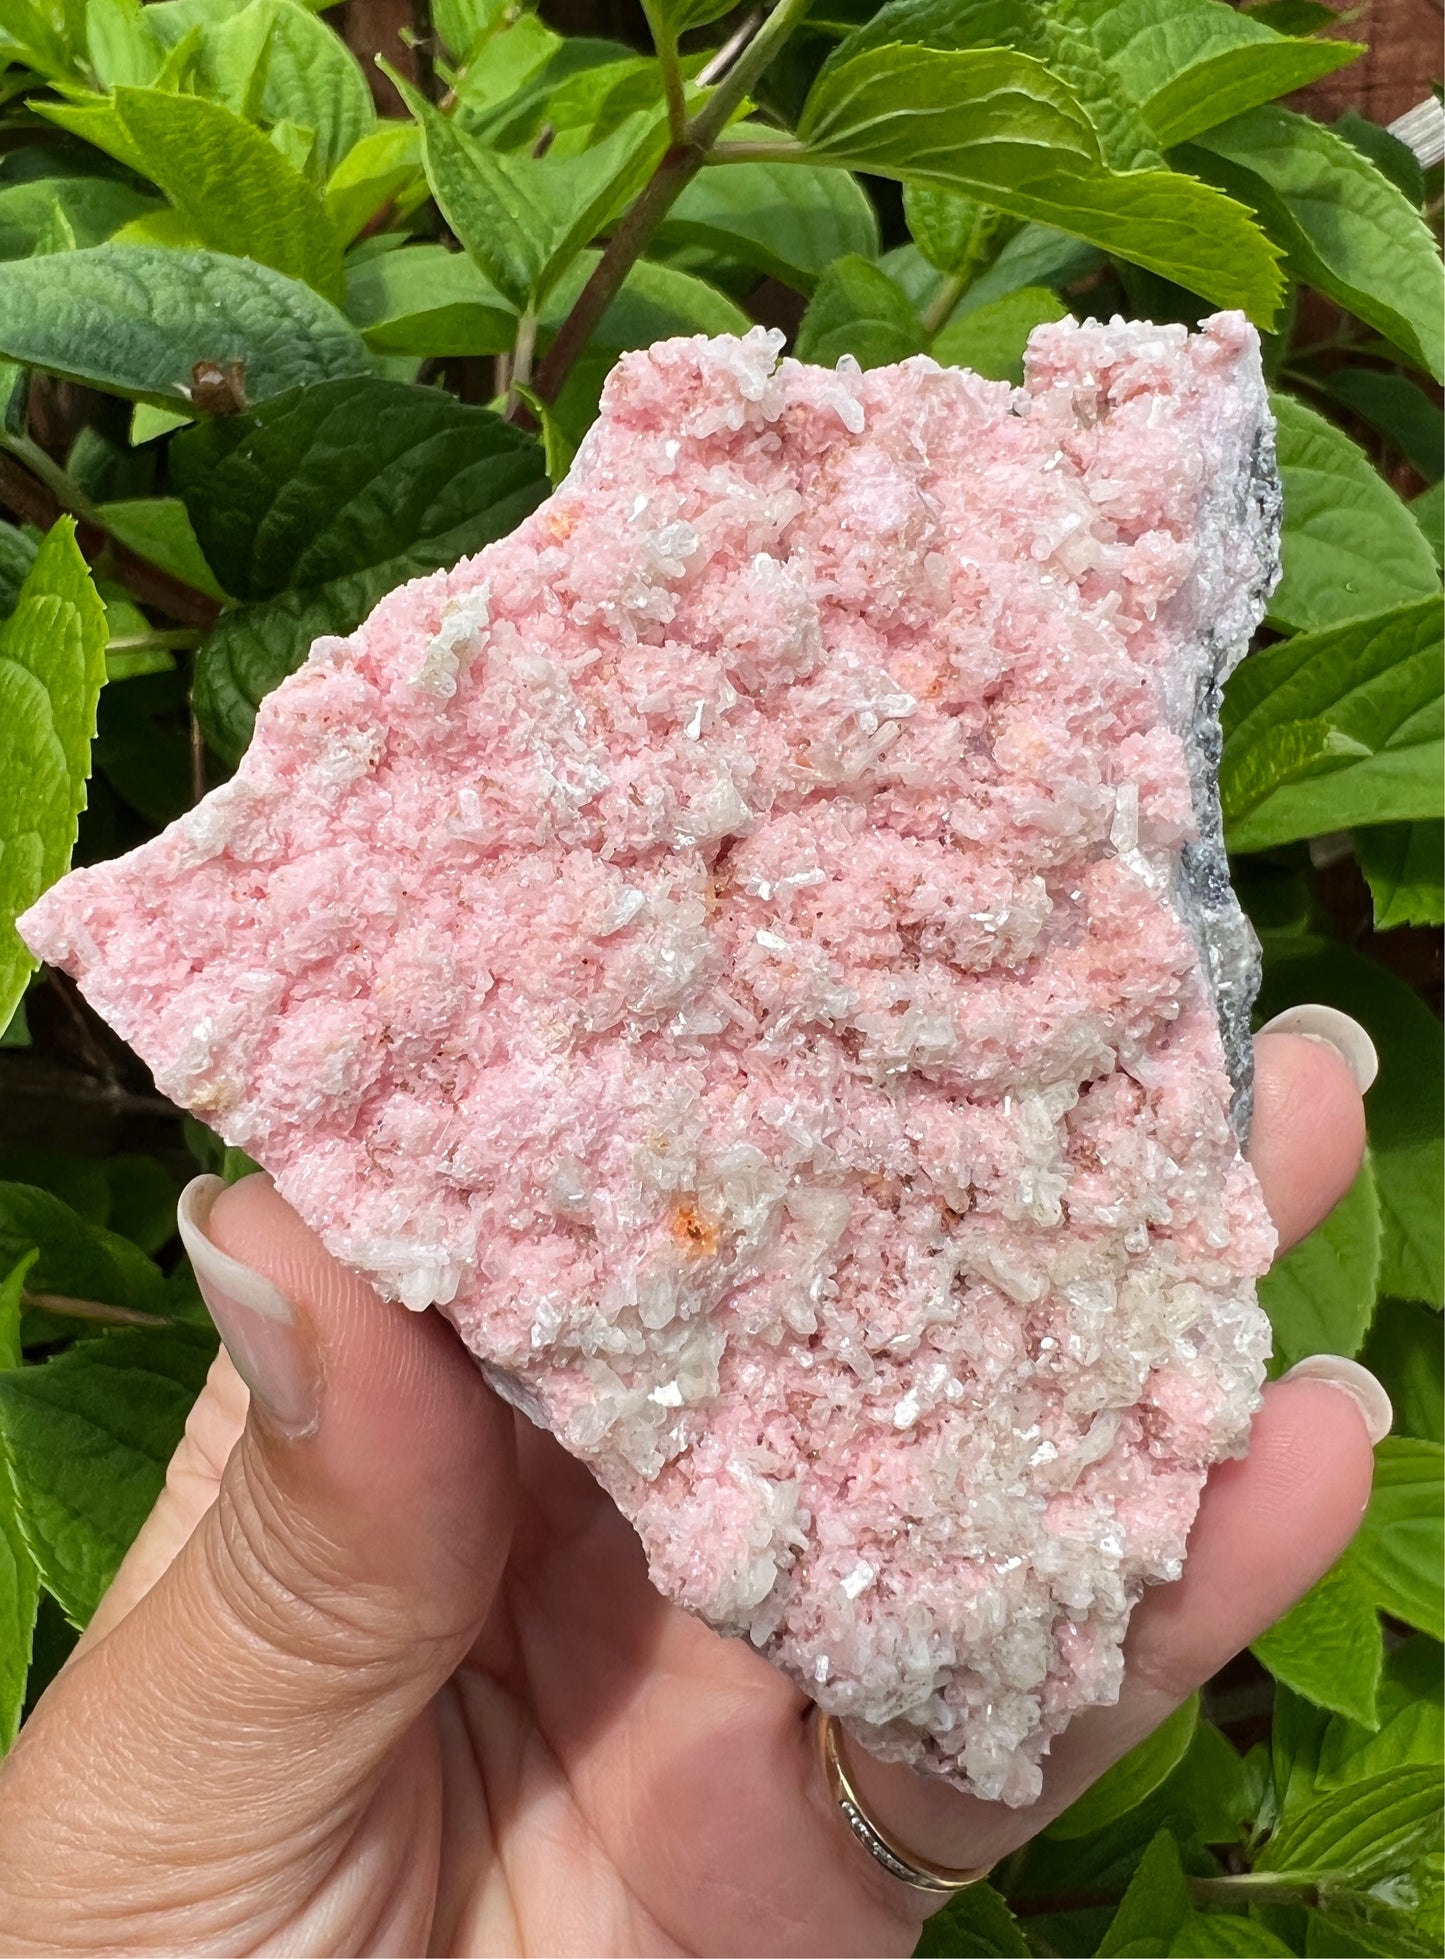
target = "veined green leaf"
x: 787, y: 221
x: 1127, y: 141
x: 1403, y: 1353
x: 40, y: 37
x: 1400, y: 409
x: 1154, y: 1907
x: 1401, y: 1549
x: 1190, y: 64
x: 226, y: 179
x: 976, y: 1922
x: 952, y: 231
x: 1348, y: 231
x: 948, y: 24
x: 1136, y: 1775
x: 122, y: 47
x: 1362, y: 1831
x: 1349, y: 547
x: 1404, y: 866
x: 1403, y: 1109
x: 857, y: 309
x: 1000, y: 126
x: 313, y: 79
x: 1411, y: 1722
x: 167, y: 312
x: 89, y: 1436
x: 315, y: 508
x: 92, y: 207
x: 670, y: 18
x: 1328, y: 1647
x: 991, y: 338
x: 1333, y: 728
x: 158, y: 529
x: 465, y: 24
x: 52, y: 668
x: 425, y: 299
x: 17, y: 555
x: 486, y: 197
x: 1320, y: 1297
x: 379, y: 168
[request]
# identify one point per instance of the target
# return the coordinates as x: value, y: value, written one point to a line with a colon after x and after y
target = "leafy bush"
x: 248, y: 326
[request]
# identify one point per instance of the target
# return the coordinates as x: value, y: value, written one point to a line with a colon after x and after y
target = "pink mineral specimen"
x: 752, y: 947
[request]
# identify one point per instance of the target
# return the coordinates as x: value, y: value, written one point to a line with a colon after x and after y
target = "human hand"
x: 384, y: 1673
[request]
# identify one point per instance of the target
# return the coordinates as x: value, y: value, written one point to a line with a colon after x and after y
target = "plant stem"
x: 180, y: 641
x: 665, y: 42
x: 40, y: 503
x: 90, y: 1309
x: 423, y: 48
x: 67, y: 494
x: 523, y: 347
x: 780, y: 152
x: 938, y: 310
x: 717, y: 65
x: 678, y: 167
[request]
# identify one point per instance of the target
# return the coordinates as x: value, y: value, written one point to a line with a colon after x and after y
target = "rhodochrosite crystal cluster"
x: 754, y: 948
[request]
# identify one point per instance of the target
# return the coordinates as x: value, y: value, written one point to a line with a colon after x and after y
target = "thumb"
x: 345, y: 1568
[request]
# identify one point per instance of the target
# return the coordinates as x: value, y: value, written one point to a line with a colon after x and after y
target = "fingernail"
x: 259, y: 1325
x: 1355, y: 1381
x: 1331, y: 1029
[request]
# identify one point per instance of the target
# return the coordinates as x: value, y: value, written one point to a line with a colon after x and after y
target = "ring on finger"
x: 905, y: 1865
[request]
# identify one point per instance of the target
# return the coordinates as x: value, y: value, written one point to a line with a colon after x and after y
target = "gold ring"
x: 884, y: 1849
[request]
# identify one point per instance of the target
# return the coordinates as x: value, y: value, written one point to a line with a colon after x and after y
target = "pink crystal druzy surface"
x: 728, y: 946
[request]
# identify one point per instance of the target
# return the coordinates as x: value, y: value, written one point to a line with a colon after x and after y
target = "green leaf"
x: 1222, y: 1932
x: 52, y: 667
x: 224, y: 177
x: 120, y: 43
x: 1126, y: 139
x: 1154, y: 1907
x: 1363, y: 1831
x: 89, y: 1436
x: 991, y: 338
x: 1410, y: 1730
x: 78, y: 1181
x: 143, y: 748
x: 158, y: 529
x: 1350, y: 547
x: 1327, y: 1647
x: 79, y: 1260
x: 1403, y: 1108
x: 318, y: 506
x: 40, y: 36
x: 1403, y: 1352
x: 1391, y: 157
x: 91, y: 207
x: 556, y: 446
x: 1001, y: 127
x: 976, y: 1924
x: 1191, y: 64
x: 1320, y: 1297
x: 1333, y: 728
x: 12, y: 1287
x: 19, y: 1580
x: 464, y: 24
x: 312, y: 78
x: 166, y: 312
x: 425, y: 299
x: 1428, y: 511
x: 17, y: 555
x: 952, y: 231
x: 376, y: 170
x: 670, y: 18
x: 1401, y: 1546
x: 486, y: 197
x: 1404, y: 866
x: 1400, y: 409
x: 786, y: 221
x: 1348, y: 231
x: 1137, y: 1775
x: 949, y: 24
x: 858, y: 310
